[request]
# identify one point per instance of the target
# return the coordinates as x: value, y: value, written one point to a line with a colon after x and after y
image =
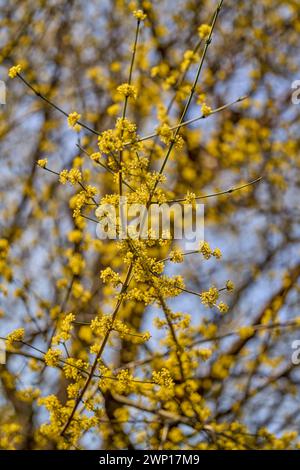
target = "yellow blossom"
x: 15, y: 336
x: 110, y: 277
x: 74, y: 176
x: 73, y: 119
x: 205, y: 110
x: 190, y: 198
x: 210, y: 297
x: 176, y: 256
x: 42, y: 163
x: 246, y: 331
x: 127, y: 90
x: 204, y: 354
x: 52, y: 357
x: 206, y: 250
x: 139, y: 15
x: 65, y: 328
x: 14, y: 71
x: 63, y: 176
x: 229, y: 285
x: 223, y: 307
x: 204, y: 31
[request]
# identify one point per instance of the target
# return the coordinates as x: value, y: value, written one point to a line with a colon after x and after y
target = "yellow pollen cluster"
x: 139, y: 15
x: 73, y: 119
x: 127, y: 90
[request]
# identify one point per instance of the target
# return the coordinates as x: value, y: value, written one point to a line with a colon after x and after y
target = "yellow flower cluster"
x: 11, y: 435
x: 74, y: 367
x: 166, y: 135
x: 229, y: 286
x: 52, y: 357
x: 76, y: 262
x: 223, y: 308
x: 42, y: 162
x: 73, y: 176
x: 221, y: 367
x: 204, y: 31
x: 190, y: 198
x: 5, y: 270
x: 129, y: 91
x: 82, y: 198
x: 189, y: 57
x: 124, y: 381
x: 4, y: 247
x: 105, y: 378
x: 124, y: 125
x: 75, y: 236
x: 79, y: 292
x: 109, y: 142
x: 164, y: 379
x: 73, y: 119
x: 96, y: 156
x: 109, y: 276
x: 204, y: 354
x: 139, y: 15
x: 246, y: 331
x: 205, y: 110
x: 58, y: 416
x: 64, y: 329
x: 28, y: 395
x: 101, y: 325
x: 210, y: 297
x: 114, y: 140
x: 176, y: 256
x: 207, y: 252
x: 14, y: 71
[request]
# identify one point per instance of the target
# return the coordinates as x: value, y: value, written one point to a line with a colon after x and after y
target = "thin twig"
x: 55, y: 106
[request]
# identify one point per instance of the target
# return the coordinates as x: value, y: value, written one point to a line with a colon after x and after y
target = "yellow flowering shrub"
x: 141, y: 342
